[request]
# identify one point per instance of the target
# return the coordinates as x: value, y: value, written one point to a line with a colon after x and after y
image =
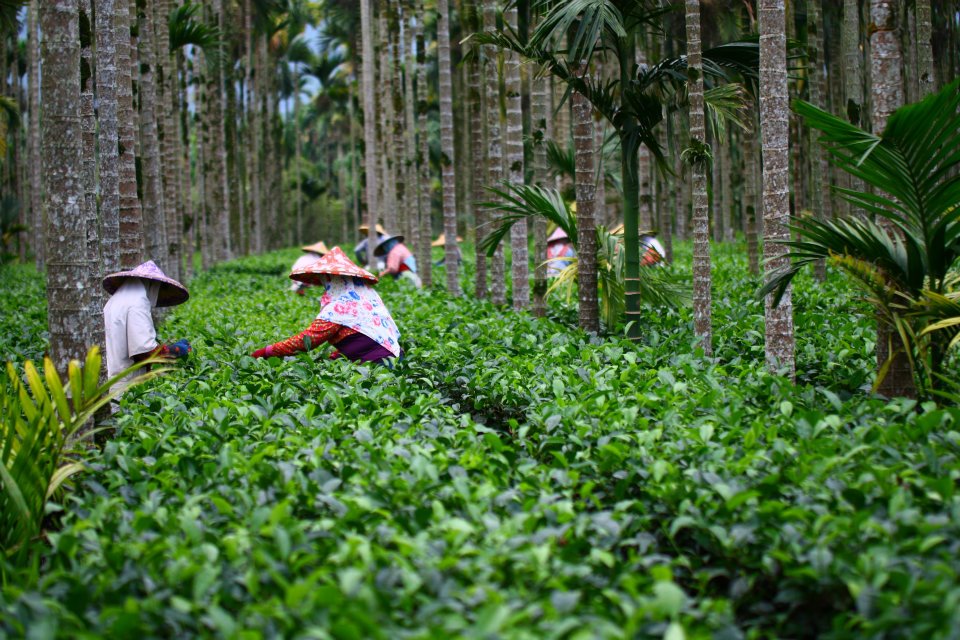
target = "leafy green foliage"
x: 511, y: 477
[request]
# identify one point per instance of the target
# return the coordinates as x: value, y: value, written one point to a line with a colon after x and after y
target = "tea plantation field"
x: 511, y: 478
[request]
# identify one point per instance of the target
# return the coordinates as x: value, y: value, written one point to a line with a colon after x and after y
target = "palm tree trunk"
x: 107, y: 84
x: 498, y: 288
x: 925, y: 71
x: 424, y: 204
x: 153, y: 207
x: 388, y: 183
x: 36, y: 163
x: 449, y: 180
x: 702, y: 279
x: 411, y: 215
x: 88, y: 129
x: 131, y: 213
x: 775, y: 128
x: 369, y: 125
x: 750, y: 198
x: 476, y: 102
x: 63, y: 180
x: 395, y: 98
x: 817, y: 157
x: 168, y: 135
x: 886, y: 61
x: 520, y: 264
x: 254, y: 131
x: 539, y: 99
x: 583, y: 143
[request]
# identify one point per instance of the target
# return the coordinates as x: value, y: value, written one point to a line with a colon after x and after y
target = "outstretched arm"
x: 316, y: 334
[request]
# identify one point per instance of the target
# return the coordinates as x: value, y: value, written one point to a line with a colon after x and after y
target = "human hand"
x: 179, y: 349
x: 260, y: 353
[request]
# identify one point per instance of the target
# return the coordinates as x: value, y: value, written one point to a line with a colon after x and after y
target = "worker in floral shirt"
x: 352, y: 317
x: 401, y: 263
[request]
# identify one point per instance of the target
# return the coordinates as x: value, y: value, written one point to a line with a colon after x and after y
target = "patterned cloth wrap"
x: 560, y: 256
x: 352, y: 303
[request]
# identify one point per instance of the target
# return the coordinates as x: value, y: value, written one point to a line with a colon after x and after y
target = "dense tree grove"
x: 608, y: 209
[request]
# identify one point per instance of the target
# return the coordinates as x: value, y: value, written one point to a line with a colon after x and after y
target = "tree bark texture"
x: 449, y: 179
x: 775, y: 130
x: 424, y: 205
x: 475, y: 98
x: 702, y: 279
x: 66, y: 262
x: 107, y: 89
x: 36, y: 164
x: 88, y: 129
x: 369, y: 125
x: 494, y: 149
x: 520, y: 263
x: 539, y: 103
x: 583, y: 144
x: 925, y: 72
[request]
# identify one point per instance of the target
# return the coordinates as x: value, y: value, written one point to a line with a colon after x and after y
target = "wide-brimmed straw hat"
x: 558, y: 235
x: 379, y: 251
x: 618, y: 231
x: 335, y: 263
x: 172, y: 292
x: 363, y: 228
x: 317, y: 247
x: 442, y: 240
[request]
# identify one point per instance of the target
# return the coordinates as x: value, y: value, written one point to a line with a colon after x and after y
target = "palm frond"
x: 520, y: 201
x: 187, y: 29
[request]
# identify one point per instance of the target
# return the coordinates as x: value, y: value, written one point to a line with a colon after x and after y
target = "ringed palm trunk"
x: 520, y: 264
x: 107, y: 84
x: 925, y: 71
x: 629, y: 175
x: 63, y: 181
x: 886, y: 61
x: 88, y: 128
x: 494, y: 149
x: 818, y: 159
x: 424, y: 205
x: 539, y: 99
x: 153, y: 207
x: 131, y: 211
x: 446, y: 150
x: 369, y: 125
x: 750, y: 198
x: 411, y: 215
x: 775, y: 131
x: 475, y: 97
x: 702, y: 279
x: 168, y: 134
x: 586, y: 187
x: 36, y: 164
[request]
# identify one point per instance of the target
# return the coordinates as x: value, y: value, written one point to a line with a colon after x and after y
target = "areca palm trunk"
x: 154, y: 220
x: 539, y: 105
x: 369, y: 125
x: 107, y: 90
x: 63, y: 181
x: 36, y: 165
x: 411, y: 215
x: 424, y: 206
x: 398, y: 146
x: 88, y: 128
x: 702, y: 280
x: 629, y: 175
x: 775, y: 131
x: 520, y: 265
x: 388, y: 185
x: 168, y: 134
x: 583, y: 144
x: 498, y: 294
x: 815, y: 84
x: 446, y: 150
x: 750, y: 200
x: 925, y: 73
x: 475, y: 98
x: 886, y: 60
x: 131, y: 211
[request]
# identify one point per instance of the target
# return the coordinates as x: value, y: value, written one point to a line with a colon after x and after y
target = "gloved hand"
x: 260, y: 353
x: 179, y: 349
x: 302, y: 291
x: 334, y: 354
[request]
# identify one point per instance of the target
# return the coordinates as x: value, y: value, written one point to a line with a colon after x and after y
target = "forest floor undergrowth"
x: 512, y: 477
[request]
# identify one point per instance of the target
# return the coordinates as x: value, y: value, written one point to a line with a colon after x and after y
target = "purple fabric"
x: 360, y: 347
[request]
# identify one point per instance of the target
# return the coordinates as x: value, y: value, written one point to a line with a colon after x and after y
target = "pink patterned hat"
x: 335, y: 263
x: 172, y: 292
x: 558, y: 235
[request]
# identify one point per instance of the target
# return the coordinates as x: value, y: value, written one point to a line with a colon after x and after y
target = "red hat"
x: 335, y: 263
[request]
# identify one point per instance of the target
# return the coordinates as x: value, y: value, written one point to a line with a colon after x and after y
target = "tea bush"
x: 511, y: 477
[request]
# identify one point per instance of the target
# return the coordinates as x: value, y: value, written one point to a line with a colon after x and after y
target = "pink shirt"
x: 396, y: 258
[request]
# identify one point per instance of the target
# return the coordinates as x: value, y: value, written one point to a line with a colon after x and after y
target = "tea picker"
x: 401, y: 264
x: 128, y: 321
x: 560, y: 252
x: 312, y: 253
x: 360, y: 251
x: 352, y: 317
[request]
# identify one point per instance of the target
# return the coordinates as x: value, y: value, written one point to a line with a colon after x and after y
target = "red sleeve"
x: 319, y: 332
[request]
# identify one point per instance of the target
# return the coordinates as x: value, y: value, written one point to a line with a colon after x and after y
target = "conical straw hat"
x: 442, y: 240
x: 317, y: 247
x: 558, y: 235
x: 171, y: 294
x: 363, y: 228
x: 379, y: 251
x: 335, y: 263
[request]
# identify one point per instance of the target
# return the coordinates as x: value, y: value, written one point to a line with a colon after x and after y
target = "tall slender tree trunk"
x: 520, y: 264
x: 643, y: 164
x: 398, y: 148
x: 369, y: 125
x: 36, y: 164
x: 167, y: 134
x: 539, y: 99
x: 476, y: 102
x: 131, y: 212
x: 88, y: 129
x: 63, y: 181
x: 775, y: 131
x: 107, y: 90
x: 411, y: 202
x: 925, y: 72
x: 498, y: 293
x: 750, y: 198
x: 726, y: 191
x: 817, y: 158
x: 583, y: 144
x: 451, y: 252
x: 886, y: 62
x: 702, y: 279
x: 424, y: 204
x: 153, y: 208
